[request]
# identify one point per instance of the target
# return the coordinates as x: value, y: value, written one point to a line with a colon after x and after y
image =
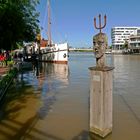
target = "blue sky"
x: 72, y: 20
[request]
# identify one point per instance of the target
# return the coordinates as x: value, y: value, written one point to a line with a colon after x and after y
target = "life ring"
x: 64, y: 55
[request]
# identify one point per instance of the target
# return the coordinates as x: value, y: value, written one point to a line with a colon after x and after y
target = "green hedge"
x: 6, y: 79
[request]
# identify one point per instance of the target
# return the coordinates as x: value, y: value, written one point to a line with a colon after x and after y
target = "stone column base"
x: 101, y: 133
x: 101, y: 100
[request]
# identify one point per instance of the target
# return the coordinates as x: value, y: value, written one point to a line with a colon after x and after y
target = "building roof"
x: 126, y: 27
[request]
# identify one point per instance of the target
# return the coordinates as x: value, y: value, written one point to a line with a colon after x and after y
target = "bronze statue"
x: 100, y: 44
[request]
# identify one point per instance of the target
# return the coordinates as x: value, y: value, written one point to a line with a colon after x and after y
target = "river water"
x: 55, y: 104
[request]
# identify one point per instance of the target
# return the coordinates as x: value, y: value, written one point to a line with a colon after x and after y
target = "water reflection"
x: 47, y: 78
x: 51, y: 76
x: 33, y: 93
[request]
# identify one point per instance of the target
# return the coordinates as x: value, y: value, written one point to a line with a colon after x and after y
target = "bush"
x: 6, y: 79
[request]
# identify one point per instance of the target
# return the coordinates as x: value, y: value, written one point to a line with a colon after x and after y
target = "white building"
x: 134, y: 43
x: 121, y: 34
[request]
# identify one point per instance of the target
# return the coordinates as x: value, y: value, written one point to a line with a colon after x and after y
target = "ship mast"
x: 49, y: 24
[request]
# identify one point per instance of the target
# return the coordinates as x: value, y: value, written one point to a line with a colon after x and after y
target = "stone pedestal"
x: 101, y: 100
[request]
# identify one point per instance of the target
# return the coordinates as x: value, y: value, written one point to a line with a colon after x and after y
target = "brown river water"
x: 55, y: 104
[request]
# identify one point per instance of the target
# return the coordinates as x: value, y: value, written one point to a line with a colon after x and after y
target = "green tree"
x: 110, y: 47
x: 18, y: 22
x: 126, y: 45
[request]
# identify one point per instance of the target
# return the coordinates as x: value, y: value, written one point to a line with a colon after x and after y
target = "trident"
x: 100, y: 26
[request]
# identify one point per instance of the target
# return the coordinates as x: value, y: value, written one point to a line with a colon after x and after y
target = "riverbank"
x: 109, y: 51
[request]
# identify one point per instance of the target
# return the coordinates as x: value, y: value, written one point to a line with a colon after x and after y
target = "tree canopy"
x: 126, y: 45
x: 18, y: 22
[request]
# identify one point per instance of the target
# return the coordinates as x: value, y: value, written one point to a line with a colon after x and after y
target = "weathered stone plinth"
x: 101, y: 100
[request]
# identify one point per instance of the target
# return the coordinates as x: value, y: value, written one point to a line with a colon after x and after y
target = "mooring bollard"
x: 100, y: 87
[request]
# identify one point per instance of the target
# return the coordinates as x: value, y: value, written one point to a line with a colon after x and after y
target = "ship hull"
x: 58, y: 53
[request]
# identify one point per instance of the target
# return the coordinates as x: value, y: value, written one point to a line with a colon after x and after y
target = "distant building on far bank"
x: 134, y: 43
x: 120, y: 35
